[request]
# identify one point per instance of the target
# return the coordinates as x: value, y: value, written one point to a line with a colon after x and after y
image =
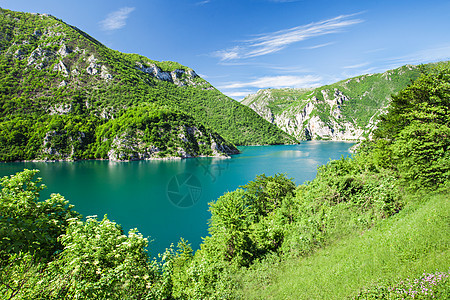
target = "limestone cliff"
x: 347, y: 110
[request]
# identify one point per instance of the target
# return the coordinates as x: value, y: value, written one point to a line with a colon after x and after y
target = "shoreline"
x: 174, y: 158
x: 177, y: 158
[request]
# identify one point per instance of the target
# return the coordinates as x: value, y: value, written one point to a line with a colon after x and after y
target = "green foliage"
x: 416, y: 130
x: 265, y: 194
x: 333, y: 237
x: 27, y: 224
x: 242, y: 221
x: 99, y: 261
x: 394, y: 249
x: 19, y: 275
x: 360, y: 100
x: 230, y: 222
x: 95, y: 85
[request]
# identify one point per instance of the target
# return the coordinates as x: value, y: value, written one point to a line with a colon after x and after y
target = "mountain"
x: 370, y: 226
x: 346, y: 110
x: 64, y: 95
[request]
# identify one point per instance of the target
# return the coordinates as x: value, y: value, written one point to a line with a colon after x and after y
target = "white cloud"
x: 276, y: 82
x: 116, y: 19
x: 358, y: 66
x: 424, y: 56
x: 203, y: 2
x: 319, y: 46
x: 229, y: 54
x: 277, y: 41
x: 237, y: 94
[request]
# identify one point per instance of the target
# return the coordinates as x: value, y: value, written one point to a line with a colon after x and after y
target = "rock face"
x: 303, y: 123
x: 192, y: 142
x: 59, y: 145
x: 344, y: 111
x: 61, y: 67
x: 178, y: 76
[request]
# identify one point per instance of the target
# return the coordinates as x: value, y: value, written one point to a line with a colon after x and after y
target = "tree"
x: 27, y: 224
x: 100, y: 262
x: 417, y: 130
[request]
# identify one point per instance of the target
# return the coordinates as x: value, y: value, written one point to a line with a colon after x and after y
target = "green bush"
x: 28, y: 224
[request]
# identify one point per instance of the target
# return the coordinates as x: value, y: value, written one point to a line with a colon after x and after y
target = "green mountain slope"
x: 346, y: 110
x: 51, y: 72
x: 374, y: 226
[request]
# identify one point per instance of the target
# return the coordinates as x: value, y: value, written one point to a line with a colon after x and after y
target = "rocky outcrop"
x: 304, y: 122
x: 190, y: 142
x: 60, y: 109
x: 59, y: 145
x: 178, y: 77
x: 64, y: 51
x: 61, y: 67
x: 346, y: 110
x: 92, y: 68
x: 40, y: 57
x: 219, y: 147
x: 127, y: 147
x: 105, y: 74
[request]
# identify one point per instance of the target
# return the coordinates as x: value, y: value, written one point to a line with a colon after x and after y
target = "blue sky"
x: 241, y: 46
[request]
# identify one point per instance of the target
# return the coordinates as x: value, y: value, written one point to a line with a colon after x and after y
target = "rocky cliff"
x: 344, y: 111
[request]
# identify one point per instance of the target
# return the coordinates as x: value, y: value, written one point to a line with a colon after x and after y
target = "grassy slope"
x: 415, y: 240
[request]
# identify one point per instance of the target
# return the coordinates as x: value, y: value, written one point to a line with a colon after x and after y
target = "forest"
x: 384, y: 212
x: 59, y: 89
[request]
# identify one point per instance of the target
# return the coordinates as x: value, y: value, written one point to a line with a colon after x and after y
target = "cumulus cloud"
x: 276, y: 41
x: 116, y: 19
x: 276, y: 82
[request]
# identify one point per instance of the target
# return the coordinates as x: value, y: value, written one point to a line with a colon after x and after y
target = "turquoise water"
x: 167, y: 200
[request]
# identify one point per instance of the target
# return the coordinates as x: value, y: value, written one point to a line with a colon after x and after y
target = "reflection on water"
x: 167, y: 200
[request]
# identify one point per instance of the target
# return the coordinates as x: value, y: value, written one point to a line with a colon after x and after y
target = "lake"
x: 167, y: 200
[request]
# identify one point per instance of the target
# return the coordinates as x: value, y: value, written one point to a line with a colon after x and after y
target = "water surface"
x: 167, y: 200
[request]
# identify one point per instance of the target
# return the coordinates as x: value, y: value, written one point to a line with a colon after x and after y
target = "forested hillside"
x: 374, y: 226
x: 59, y: 87
x: 346, y: 110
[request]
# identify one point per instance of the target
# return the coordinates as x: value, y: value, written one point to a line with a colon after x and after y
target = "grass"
x: 404, y: 246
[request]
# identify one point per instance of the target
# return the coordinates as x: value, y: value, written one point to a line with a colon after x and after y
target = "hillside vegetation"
x: 346, y: 110
x: 59, y: 87
x: 374, y: 226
